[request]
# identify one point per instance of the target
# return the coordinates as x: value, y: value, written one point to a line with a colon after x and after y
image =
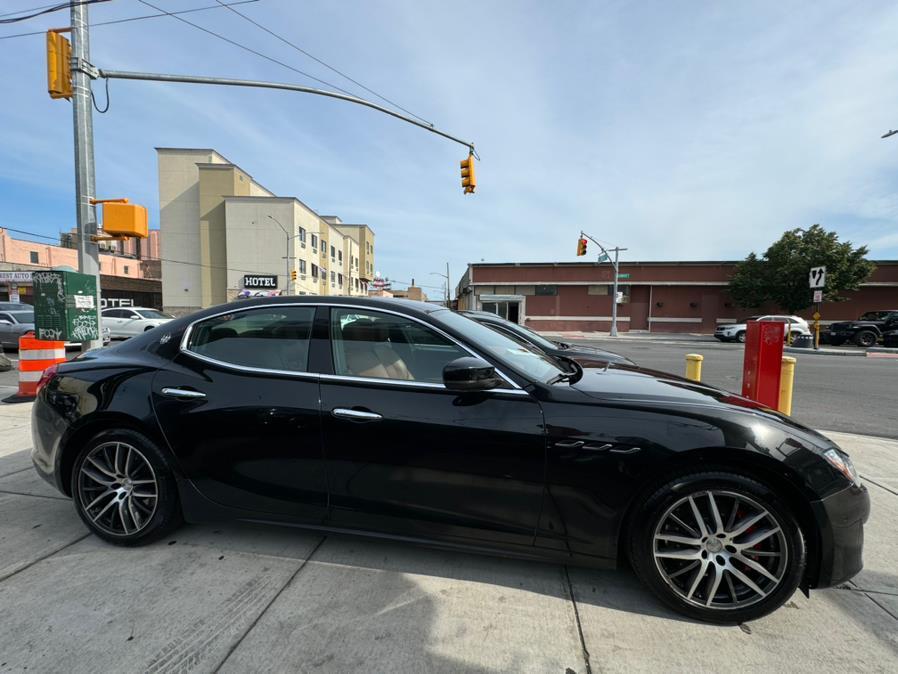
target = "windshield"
x: 23, y: 316
x: 151, y: 313
x: 522, y: 360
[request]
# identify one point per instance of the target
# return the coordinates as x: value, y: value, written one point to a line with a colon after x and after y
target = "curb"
x: 824, y: 352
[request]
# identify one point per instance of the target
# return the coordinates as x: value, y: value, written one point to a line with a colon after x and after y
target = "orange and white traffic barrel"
x: 35, y: 356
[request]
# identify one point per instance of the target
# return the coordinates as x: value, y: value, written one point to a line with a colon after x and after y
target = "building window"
x: 314, y: 242
x: 126, y: 270
x: 546, y: 290
x: 597, y: 290
x: 302, y: 267
x: 35, y: 258
x: 323, y: 247
x: 333, y: 278
x: 340, y: 280
x: 340, y: 256
x: 302, y: 234
x: 333, y: 252
x: 314, y: 270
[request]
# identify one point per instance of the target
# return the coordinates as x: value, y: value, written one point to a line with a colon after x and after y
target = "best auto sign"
x: 260, y: 281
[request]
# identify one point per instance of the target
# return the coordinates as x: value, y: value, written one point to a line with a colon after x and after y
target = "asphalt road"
x: 837, y: 393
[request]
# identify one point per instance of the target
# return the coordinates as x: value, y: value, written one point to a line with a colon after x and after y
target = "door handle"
x: 355, y: 415
x: 569, y: 444
x: 183, y: 393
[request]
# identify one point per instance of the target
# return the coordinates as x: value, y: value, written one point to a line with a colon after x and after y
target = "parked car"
x: 865, y: 331
x: 407, y: 420
x: 17, y: 321
x: 735, y: 332
x: 890, y: 338
x: 587, y: 356
x: 124, y: 322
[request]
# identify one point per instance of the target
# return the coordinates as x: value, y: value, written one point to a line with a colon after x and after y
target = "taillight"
x: 47, y: 375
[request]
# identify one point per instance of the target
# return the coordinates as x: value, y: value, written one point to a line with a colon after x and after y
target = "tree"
x: 781, y: 275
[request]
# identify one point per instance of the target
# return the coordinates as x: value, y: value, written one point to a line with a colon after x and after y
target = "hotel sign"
x: 260, y: 281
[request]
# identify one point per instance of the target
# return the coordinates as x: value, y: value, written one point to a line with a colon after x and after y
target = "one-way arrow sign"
x: 817, y: 277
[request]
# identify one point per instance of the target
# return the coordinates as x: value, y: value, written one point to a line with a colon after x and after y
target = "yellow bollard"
x: 694, y: 366
x: 787, y: 380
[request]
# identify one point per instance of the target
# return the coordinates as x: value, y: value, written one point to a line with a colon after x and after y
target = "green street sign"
x: 623, y: 276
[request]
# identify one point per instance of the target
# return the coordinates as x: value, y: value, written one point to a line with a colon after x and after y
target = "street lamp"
x: 287, y: 257
x: 445, y: 276
x: 889, y: 133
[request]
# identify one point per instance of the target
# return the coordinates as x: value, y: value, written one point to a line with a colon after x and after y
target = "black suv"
x: 866, y: 330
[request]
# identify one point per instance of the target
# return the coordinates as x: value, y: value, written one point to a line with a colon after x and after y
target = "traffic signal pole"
x: 615, y: 263
x: 85, y: 181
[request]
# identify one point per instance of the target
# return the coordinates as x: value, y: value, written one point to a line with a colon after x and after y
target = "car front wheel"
x: 718, y: 547
x: 740, y: 337
x: 865, y: 338
x: 124, y: 488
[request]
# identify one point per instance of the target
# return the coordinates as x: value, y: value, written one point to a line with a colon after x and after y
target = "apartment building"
x: 226, y: 235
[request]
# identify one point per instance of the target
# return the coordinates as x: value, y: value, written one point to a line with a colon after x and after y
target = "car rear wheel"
x: 865, y: 338
x: 124, y: 488
x: 718, y: 547
x: 740, y: 337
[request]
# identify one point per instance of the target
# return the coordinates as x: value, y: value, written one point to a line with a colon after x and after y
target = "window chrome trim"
x: 188, y: 331
x: 413, y: 384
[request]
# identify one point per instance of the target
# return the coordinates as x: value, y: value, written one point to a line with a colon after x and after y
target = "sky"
x: 680, y: 131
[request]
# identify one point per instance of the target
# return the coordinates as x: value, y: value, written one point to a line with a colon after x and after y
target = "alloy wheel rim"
x: 117, y: 488
x: 720, y: 550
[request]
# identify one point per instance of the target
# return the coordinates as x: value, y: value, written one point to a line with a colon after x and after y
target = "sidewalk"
x: 237, y: 597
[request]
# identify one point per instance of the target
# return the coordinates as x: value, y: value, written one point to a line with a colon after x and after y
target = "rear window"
x: 268, y: 338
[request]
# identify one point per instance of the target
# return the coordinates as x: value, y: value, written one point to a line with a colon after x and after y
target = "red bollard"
x: 762, y: 367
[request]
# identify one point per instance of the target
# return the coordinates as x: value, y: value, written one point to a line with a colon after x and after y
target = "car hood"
x: 640, y: 387
x: 594, y: 353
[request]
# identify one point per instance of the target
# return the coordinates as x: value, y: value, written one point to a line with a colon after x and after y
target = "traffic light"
x: 59, y: 65
x: 468, y: 179
x: 581, y: 247
x: 293, y: 275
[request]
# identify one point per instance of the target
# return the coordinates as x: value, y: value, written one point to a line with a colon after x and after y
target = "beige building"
x: 224, y: 235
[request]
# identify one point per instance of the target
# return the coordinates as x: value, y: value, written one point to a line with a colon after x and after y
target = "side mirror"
x: 470, y: 374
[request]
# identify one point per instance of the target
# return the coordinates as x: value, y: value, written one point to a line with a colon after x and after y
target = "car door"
x: 132, y: 322
x: 240, y: 411
x: 408, y: 457
x: 7, y: 325
x: 112, y: 318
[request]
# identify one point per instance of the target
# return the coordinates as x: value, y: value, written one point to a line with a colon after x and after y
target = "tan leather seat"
x: 369, y: 353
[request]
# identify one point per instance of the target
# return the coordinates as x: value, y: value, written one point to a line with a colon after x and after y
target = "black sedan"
x: 400, y: 419
x: 587, y: 356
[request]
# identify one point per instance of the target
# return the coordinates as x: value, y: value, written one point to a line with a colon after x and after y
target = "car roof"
x: 411, y: 307
x: 132, y: 308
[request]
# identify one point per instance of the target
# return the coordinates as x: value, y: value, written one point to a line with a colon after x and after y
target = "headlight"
x: 842, y: 463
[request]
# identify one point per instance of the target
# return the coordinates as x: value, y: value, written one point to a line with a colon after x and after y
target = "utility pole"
x: 287, y: 257
x: 615, y: 263
x: 448, y: 296
x: 85, y: 183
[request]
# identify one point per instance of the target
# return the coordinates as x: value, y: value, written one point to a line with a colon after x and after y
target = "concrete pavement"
x: 236, y: 597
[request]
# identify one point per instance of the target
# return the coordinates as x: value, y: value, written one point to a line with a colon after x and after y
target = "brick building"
x: 657, y: 296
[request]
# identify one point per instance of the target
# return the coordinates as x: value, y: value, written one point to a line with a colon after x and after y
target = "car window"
x: 386, y: 346
x: 151, y: 313
x: 6, y: 317
x: 527, y: 362
x: 267, y: 338
x: 22, y: 316
x: 114, y: 313
x: 872, y: 316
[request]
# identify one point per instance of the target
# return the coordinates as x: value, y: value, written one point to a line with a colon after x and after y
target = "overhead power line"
x: 245, y: 48
x: 47, y: 9
x: 136, y: 18
x: 318, y: 60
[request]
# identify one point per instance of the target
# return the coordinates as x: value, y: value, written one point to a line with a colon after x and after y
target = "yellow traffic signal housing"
x: 59, y: 65
x: 581, y: 247
x: 468, y: 178
x: 293, y: 275
x: 123, y: 220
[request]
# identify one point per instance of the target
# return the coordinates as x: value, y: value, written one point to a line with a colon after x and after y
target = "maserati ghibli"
x: 407, y: 420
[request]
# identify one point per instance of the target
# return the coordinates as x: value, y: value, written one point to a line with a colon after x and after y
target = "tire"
x: 865, y: 338
x: 118, y: 470
x: 782, y: 553
x: 740, y: 337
